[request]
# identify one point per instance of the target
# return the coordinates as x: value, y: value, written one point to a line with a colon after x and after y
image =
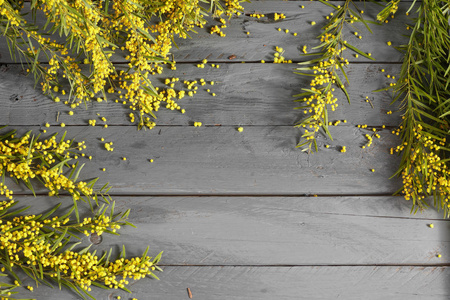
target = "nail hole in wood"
x: 95, y: 238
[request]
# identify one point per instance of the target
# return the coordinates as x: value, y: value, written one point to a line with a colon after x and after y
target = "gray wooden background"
x: 246, y: 215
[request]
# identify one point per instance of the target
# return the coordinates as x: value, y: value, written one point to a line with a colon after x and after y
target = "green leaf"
x: 44, y: 217
x: 154, y: 276
x: 329, y: 4
x: 59, y: 239
x: 358, y: 51
x: 75, y: 207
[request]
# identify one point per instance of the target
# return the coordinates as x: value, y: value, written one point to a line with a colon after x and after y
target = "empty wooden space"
x: 246, y: 215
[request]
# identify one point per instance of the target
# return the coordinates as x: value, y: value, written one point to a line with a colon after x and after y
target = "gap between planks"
x: 221, y: 62
x: 374, y: 196
x: 439, y: 265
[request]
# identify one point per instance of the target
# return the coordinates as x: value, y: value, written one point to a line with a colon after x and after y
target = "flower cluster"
x: 37, y: 245
x: 422, y: 89
x: 320, y: 97
x: 427, y: 173
x: 28, y: 158
x: 390, y: 10
x: 140, y: 31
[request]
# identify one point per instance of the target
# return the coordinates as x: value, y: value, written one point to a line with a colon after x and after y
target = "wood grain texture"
x: 264, y: 35
x: 234, y: 212
x: 246, y: 94
x: 245, y: 283
x: 220, y: 160
x: 274, y: 230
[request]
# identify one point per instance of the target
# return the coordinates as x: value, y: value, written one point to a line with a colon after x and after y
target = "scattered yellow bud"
x: 240, y: 129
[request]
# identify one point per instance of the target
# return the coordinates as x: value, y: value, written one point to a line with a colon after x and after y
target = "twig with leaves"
x: 326, y: 71
x: 90, y: 33
x: 28, y: 158
x: 41, y: 246
x: 423, y: 88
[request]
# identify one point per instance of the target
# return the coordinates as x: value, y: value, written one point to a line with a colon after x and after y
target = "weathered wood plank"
x: 264, y: 35
x: 274, y: 230
x: 245, y: 283
x: 246, y: 94
x: 265, y: 32
x: 220, y: 160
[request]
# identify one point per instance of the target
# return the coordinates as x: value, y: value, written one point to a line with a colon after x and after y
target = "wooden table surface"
x: 247, y: 215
